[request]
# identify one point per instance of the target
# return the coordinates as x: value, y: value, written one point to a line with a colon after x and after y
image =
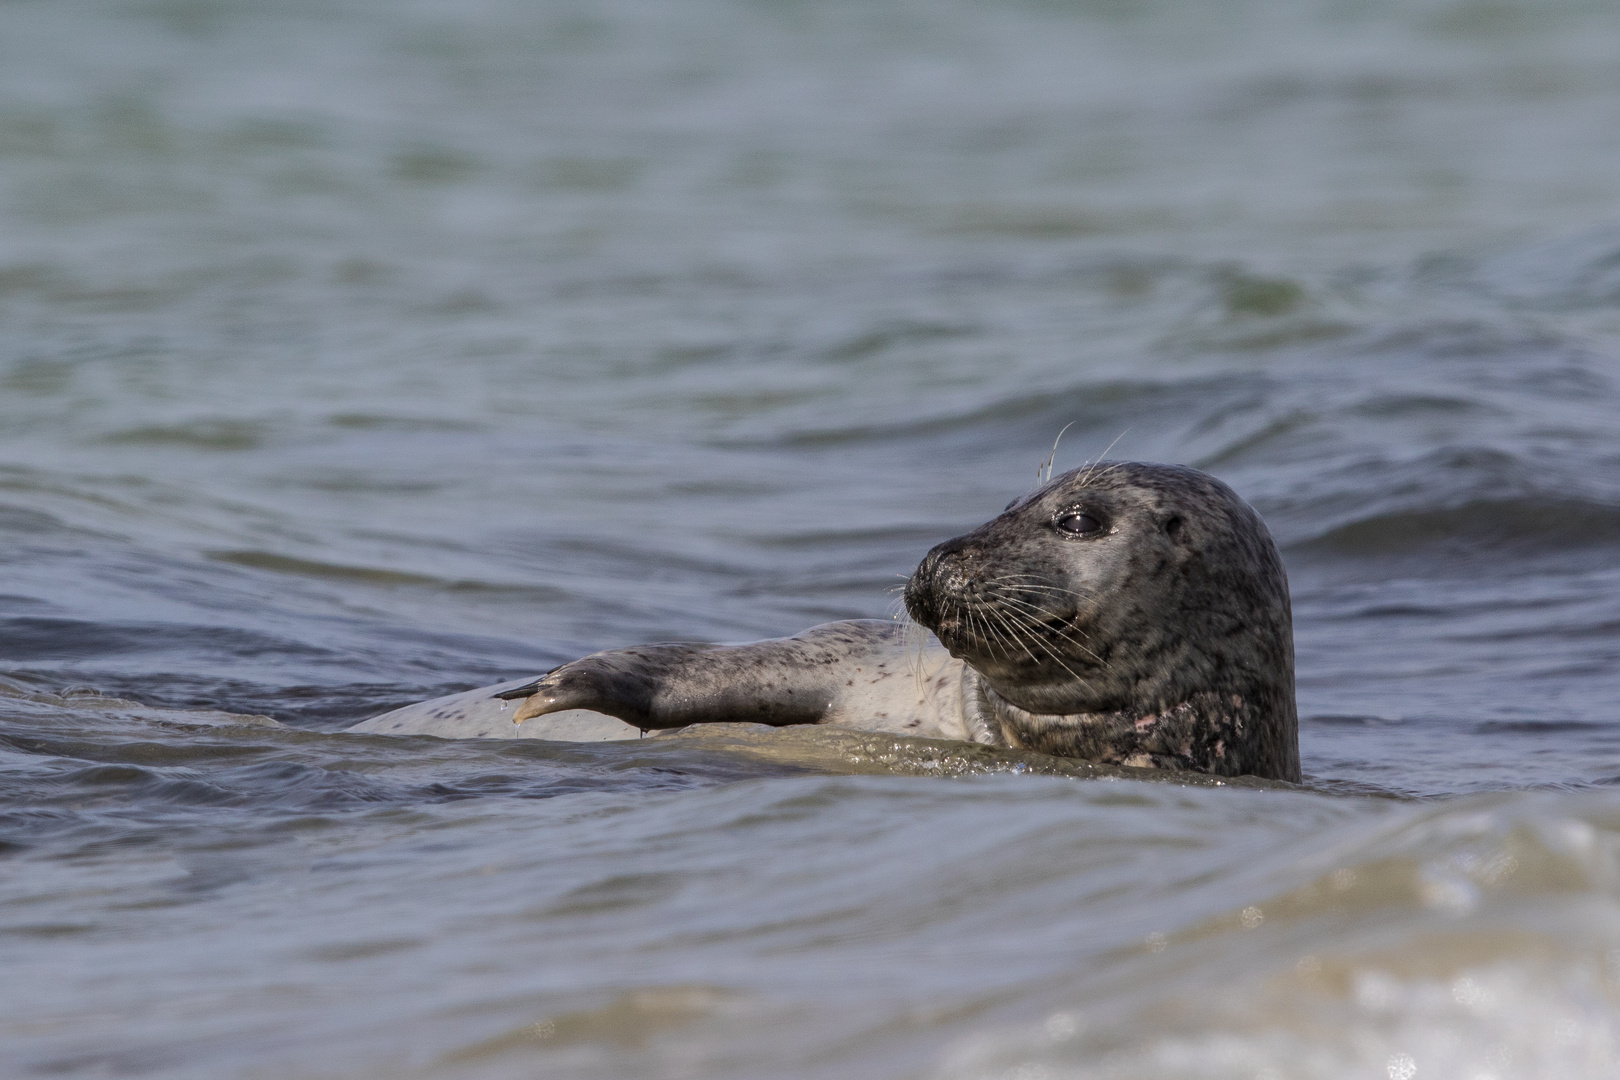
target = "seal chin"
x: 1054, y: 699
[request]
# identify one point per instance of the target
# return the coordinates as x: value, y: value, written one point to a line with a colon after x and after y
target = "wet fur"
x: 1166, y: 639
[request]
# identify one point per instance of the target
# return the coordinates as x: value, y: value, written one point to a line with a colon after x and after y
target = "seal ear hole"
x: 1173, y: 526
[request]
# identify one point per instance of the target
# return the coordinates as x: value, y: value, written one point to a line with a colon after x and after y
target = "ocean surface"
x: 357, y: 352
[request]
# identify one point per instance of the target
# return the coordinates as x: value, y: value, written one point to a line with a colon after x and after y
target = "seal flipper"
x: 778, y: 682
x: 648, y: 686
x: 528, y: 689
x: 858, y: 674
x: 861, y: 674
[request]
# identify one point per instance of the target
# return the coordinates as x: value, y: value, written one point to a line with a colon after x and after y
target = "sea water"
x: 356, y: 352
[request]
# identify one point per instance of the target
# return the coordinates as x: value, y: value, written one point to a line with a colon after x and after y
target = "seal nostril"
x: 939, y: 571
x: 919, y: 601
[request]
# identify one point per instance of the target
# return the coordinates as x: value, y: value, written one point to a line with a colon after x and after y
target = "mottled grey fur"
x: 1164, y: 638
x: 1161, y: 638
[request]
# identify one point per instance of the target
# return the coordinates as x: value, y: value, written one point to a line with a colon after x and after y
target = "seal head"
x: 1128, y: 613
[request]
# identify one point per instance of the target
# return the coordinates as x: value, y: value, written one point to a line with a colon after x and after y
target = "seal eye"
x: 1078, y: 523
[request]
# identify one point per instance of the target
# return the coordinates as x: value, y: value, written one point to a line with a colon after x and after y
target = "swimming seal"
x: 1126, y: 613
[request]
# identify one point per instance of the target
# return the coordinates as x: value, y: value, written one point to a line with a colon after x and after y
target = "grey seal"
x: 1126, y: 613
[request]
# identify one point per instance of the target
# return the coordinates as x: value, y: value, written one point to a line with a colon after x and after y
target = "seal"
x: 1126, y: 613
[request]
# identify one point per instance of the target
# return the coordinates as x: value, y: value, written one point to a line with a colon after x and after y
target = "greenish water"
x: 353, y: 353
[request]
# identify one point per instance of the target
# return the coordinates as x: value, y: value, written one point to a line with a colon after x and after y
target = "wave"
x: 1093, y: 406
x: 1470, y: 939
x: 37, y: 638
x: 1567, y: 273
x: 1537, y: 524
x: 372, y: 575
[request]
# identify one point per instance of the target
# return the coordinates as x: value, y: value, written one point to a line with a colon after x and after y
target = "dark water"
x: 352, y: 353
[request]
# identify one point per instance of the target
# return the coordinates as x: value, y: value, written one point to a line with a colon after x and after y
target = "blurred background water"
x: 355, y: 352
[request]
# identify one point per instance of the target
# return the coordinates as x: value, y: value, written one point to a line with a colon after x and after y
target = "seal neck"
x: 1210, y: 732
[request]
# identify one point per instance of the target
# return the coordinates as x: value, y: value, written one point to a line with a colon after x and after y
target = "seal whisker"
x: 1043, y: 480
x: 1009, y: 638
x: 1021, y: 585
x: 1011, y: 633
x: 980, y: 627
x: 1085, y: 477
x: 1057, y: 659
x: 910, y: 634
x: 1036, y: 617
x: 1105, y: 472
x: 918, y: 634
x: 1012, y: 596
x: 1081, y: 679
x: 1038, y: 578
x: 1040, y: 614
x: 992, y: 634
x: 1029, y: 619
x: 1017, y: 638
